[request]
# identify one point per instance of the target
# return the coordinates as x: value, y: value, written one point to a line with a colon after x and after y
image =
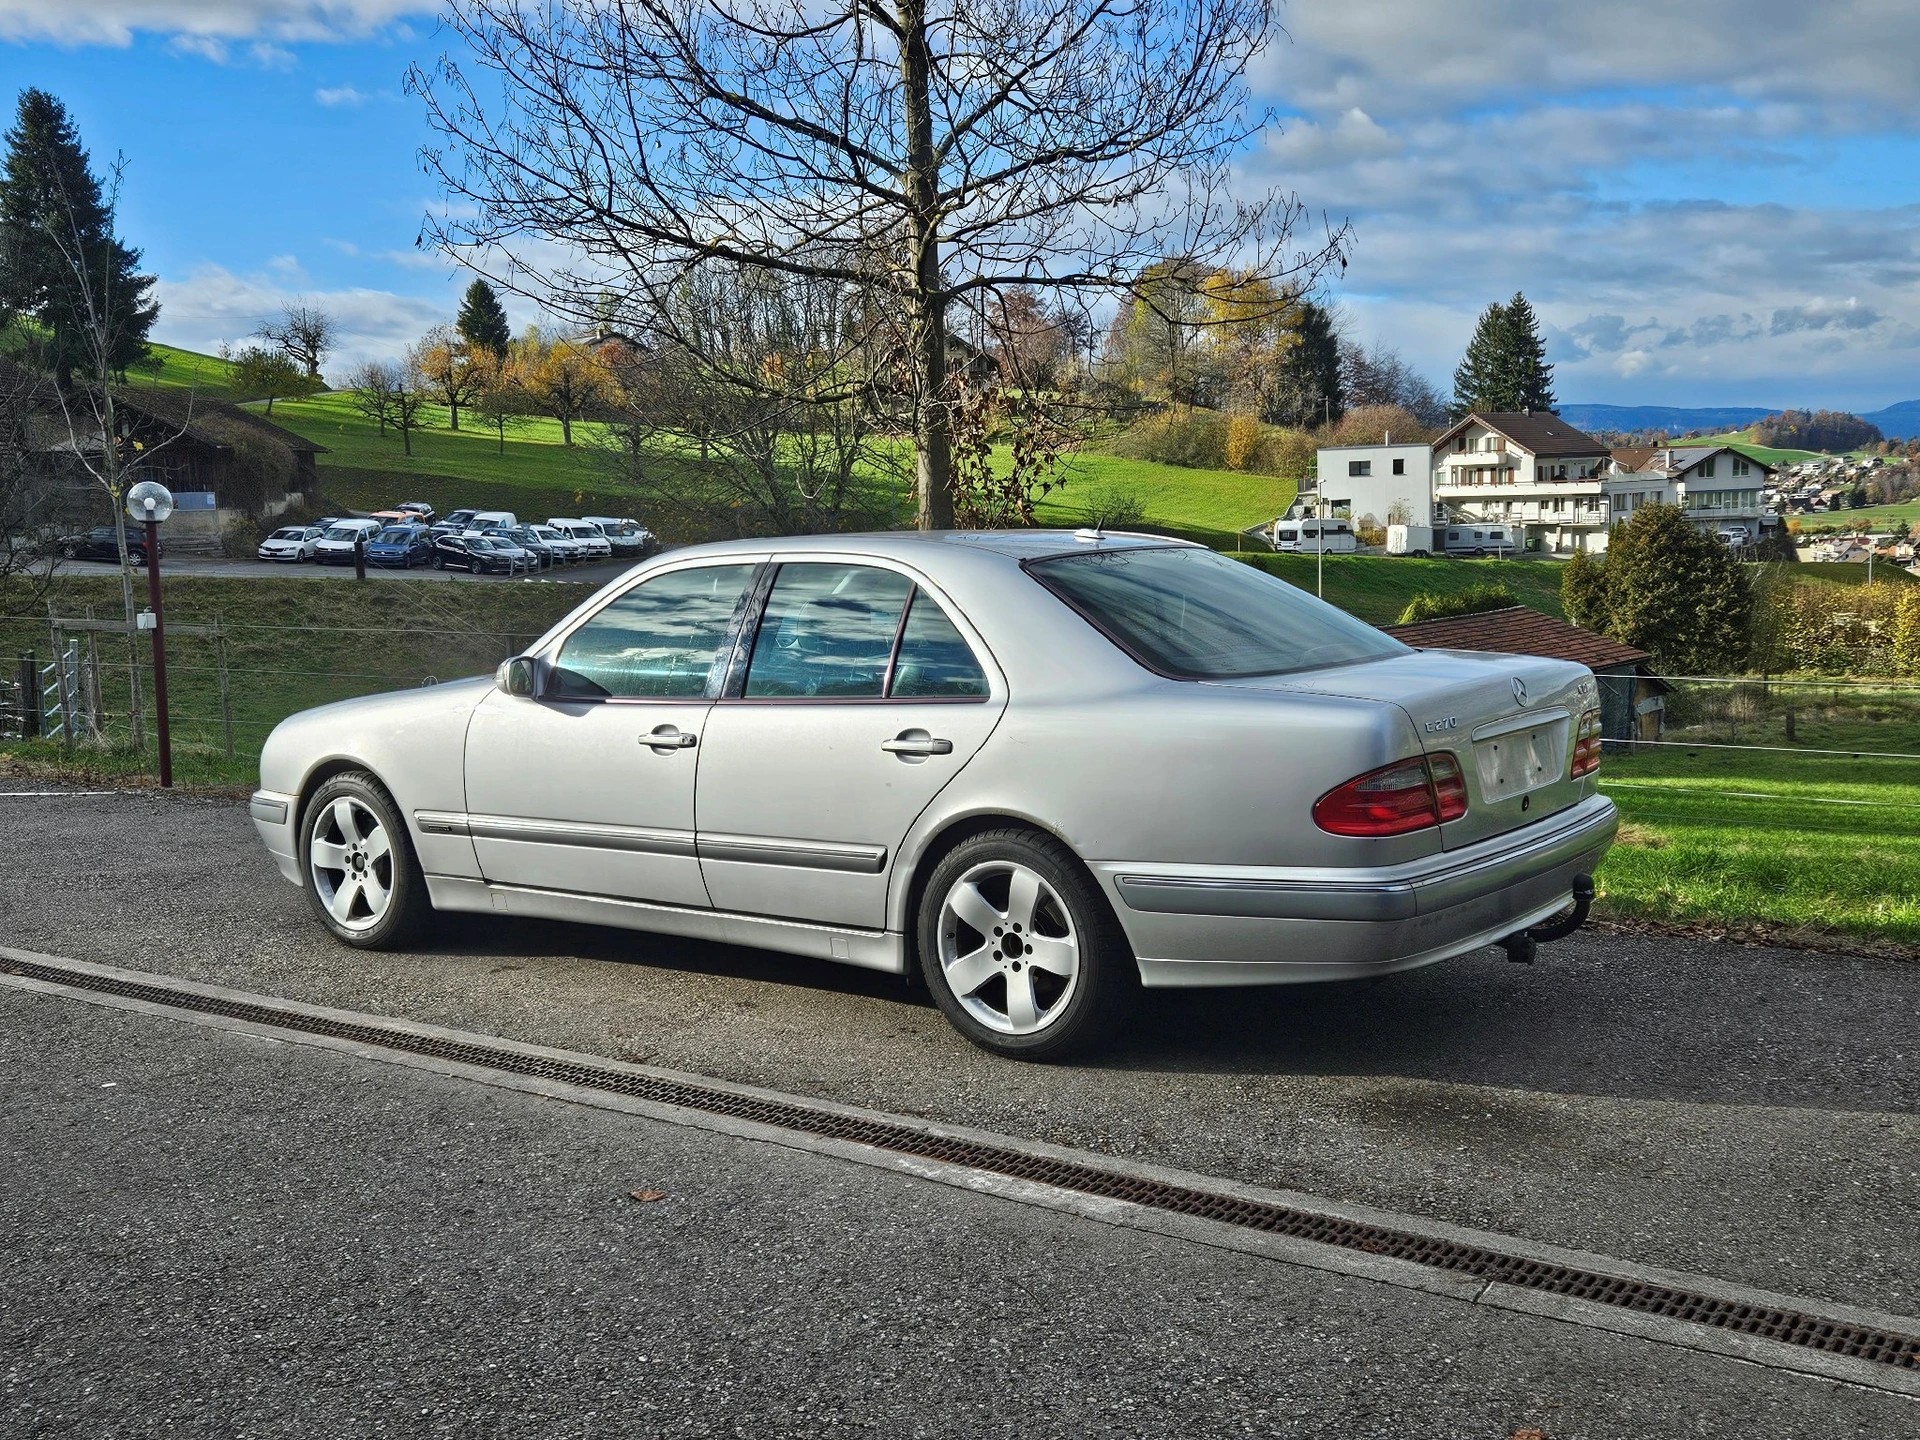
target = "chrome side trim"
x: 632, y: 838
x: 1293, y: 899
x: 806, y: 854
x: 269, y: 808
x: 440, y: 822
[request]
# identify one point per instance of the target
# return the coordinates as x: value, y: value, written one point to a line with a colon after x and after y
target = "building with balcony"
x: 1369, y: 483
x: 1720, y: 488
x: 1527, y: 469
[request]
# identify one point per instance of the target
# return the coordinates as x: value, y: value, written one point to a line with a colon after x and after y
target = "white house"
x: 1720, y: 488
x: 1367, y: 482
x: 1527, y: 469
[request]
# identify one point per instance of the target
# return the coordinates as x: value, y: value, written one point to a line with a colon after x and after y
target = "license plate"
x: 1521, y: 761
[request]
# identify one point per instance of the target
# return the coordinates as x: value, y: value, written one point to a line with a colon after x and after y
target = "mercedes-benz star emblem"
x: 1519, y: 691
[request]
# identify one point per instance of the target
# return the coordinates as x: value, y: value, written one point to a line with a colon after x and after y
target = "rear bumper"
x: 1215, y: 925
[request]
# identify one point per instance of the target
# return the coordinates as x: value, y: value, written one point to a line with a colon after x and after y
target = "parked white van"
x: 486, y: 519
x: 336, y: 547
x: 1480, y: 540
x: 1329, y: 537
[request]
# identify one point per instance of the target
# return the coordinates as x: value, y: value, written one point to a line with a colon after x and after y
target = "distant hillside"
x: 1662, y: 417
x: 1898, y: 422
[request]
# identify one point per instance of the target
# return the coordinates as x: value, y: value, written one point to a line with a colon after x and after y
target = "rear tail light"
x: 1396, y: 799
x: 1586, y: 744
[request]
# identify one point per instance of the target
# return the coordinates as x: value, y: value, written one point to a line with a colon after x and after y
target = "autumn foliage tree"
x: 561, y: 378
x: 450, y: 372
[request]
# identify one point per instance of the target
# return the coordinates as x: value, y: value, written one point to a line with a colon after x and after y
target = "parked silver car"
x: 1042, y: 768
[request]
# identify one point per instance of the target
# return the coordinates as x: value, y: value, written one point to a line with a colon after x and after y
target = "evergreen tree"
x: 1669, y: 588
x: 482, y: 321
x: 1307, y: 389
x: 61, y: 267
x: 1505, y: 367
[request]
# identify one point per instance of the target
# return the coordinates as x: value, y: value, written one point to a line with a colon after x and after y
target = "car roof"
x: 1015, y: 545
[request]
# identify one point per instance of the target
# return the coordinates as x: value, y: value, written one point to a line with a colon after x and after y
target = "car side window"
x: 934, y: 659
x: 662, y: 639
x: 827, y: 633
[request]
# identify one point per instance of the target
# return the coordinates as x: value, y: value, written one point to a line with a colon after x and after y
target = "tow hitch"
x: 1521, y: 945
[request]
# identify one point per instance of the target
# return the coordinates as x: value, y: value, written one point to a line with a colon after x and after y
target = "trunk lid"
x: 1508, y: 719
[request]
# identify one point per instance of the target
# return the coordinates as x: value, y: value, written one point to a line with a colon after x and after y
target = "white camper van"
x: 1480, y: 539
x: 1329, y: 537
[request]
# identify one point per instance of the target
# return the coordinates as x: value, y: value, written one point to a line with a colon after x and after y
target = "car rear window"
x: 1196, y: 615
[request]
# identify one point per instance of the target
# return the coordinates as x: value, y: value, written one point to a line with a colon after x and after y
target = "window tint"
x: 827, y: 632
x: 1197, y: 615
x: 663, y: 638
x: 934, y: 660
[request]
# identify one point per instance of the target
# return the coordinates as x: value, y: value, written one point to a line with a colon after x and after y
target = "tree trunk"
x: 453, y: 415
x: 406, y: 438
x: 566, y: 430
x: 926, y: 301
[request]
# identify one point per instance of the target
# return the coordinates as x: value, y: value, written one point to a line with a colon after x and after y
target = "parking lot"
x: 212, y: 567
x: 1740, y: 1112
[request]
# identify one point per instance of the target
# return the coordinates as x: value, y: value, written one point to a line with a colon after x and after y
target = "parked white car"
x: 599, y: 547
x: 336, y: 546
x: 627, y: 535
x: 291, y: 544
x: 563, y: 545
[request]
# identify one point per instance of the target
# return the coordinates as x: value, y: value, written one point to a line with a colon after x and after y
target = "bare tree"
x: 928, y: 154
x: 370, y: 391
x: 305, y: 333
x: 29, y: 494
x: 391, y: 393
x: 771, y: 455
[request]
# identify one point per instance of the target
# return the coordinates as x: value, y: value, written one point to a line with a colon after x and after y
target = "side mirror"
x: 515, y: 676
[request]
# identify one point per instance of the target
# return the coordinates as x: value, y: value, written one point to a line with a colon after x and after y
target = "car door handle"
x: 916, y: 742
x: 667, y: 737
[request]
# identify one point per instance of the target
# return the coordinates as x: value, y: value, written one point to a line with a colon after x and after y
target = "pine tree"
x: 1669, y: 588
x: 1529, y: 373
x: 1505, y: 368
x: 61, y: 267
x: 482, y: 321
x: 1307, y: 389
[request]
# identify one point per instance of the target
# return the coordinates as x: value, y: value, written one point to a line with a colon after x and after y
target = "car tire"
x: 351, y: 819
x: 1025, y: 888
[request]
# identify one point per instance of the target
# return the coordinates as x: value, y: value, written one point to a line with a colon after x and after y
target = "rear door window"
x: 827, y: 633
x: 935, y: 662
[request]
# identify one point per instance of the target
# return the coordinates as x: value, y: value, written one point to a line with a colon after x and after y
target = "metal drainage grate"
x: 1787, y: 1326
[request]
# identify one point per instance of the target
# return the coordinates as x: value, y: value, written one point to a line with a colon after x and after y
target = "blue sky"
x: 1709, y: 201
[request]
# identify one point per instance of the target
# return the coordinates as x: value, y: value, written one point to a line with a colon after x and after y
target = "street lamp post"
x: 151, y: 503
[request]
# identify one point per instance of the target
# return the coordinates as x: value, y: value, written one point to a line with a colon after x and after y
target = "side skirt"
x: 870, y: 949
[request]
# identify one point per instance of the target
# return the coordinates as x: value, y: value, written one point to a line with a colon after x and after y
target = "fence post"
x: 226, y: 693
x: 29, y: 696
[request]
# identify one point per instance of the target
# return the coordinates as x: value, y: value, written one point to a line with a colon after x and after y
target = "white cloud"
x: 340, y: 97
x: 115, y: 22
x: 213, y: 305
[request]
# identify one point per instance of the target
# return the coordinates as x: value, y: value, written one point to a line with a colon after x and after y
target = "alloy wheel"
x: 1008, y: 948
x: 350, y: 859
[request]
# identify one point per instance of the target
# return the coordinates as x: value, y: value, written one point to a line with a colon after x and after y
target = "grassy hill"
x: 1872, y: 517
x: 1743, y: 441
x: 1377, y: 588
x: 188, y: 370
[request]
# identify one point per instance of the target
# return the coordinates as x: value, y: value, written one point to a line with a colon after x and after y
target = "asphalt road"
x: 213, y: 1234
x: 1743, y: 1112
x: 210, y: 567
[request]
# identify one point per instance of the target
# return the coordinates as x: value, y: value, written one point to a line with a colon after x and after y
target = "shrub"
x: 1426, y: 605
x: 1244, y: 434
x: 1370, y: 534
x: 1194, y: 438
x: 1112, y: 506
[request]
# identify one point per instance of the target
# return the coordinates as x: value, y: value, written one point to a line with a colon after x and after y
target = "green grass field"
x: 1742, y: 440
x: 1821, y: 844
x: 1872, y: 517
x: 1378, y: 588
x: 187, y: 370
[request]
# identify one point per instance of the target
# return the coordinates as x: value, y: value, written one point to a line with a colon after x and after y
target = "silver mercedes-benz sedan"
x: 1041, y: 769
